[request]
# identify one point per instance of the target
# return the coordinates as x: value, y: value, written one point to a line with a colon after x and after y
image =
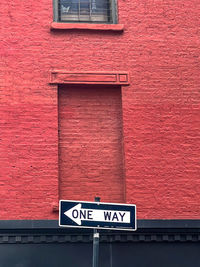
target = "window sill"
x: 86, y: 26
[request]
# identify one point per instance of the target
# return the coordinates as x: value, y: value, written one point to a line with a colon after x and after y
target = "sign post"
x: 95, y: 260
x: 97, y: 215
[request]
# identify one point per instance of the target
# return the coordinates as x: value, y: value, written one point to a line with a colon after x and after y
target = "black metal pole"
x: 96, y: 243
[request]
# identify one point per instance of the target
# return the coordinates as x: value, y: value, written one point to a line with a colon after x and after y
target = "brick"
x: 159, y: 47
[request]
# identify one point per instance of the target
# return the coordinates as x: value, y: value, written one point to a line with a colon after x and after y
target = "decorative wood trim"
x: 86, y: 26
x: 67, y: 77
x: 30, y: 238
x: 48, y: 231
x: 159, y: 225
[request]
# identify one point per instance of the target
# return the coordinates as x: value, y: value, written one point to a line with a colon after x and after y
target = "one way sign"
x: 97, y: 215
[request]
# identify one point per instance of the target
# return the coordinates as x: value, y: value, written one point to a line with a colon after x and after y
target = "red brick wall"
x: 160, y: 49
x: 90, y: 143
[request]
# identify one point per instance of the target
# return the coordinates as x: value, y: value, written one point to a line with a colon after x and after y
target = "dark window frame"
x: 112, y: 13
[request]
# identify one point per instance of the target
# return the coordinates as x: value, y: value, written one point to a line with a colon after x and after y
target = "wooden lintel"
x: 67, y: 77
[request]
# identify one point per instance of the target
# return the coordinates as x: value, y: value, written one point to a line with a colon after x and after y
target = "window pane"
x: 85, y: 10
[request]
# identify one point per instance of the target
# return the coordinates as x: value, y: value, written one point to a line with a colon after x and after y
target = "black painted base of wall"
x: 162, y: 243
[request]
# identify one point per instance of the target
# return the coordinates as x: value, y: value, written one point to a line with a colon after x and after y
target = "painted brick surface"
x: 160, y: 49
x: 90, y: 143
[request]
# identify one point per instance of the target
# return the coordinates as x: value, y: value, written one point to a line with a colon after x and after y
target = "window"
x: 85, y: 11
